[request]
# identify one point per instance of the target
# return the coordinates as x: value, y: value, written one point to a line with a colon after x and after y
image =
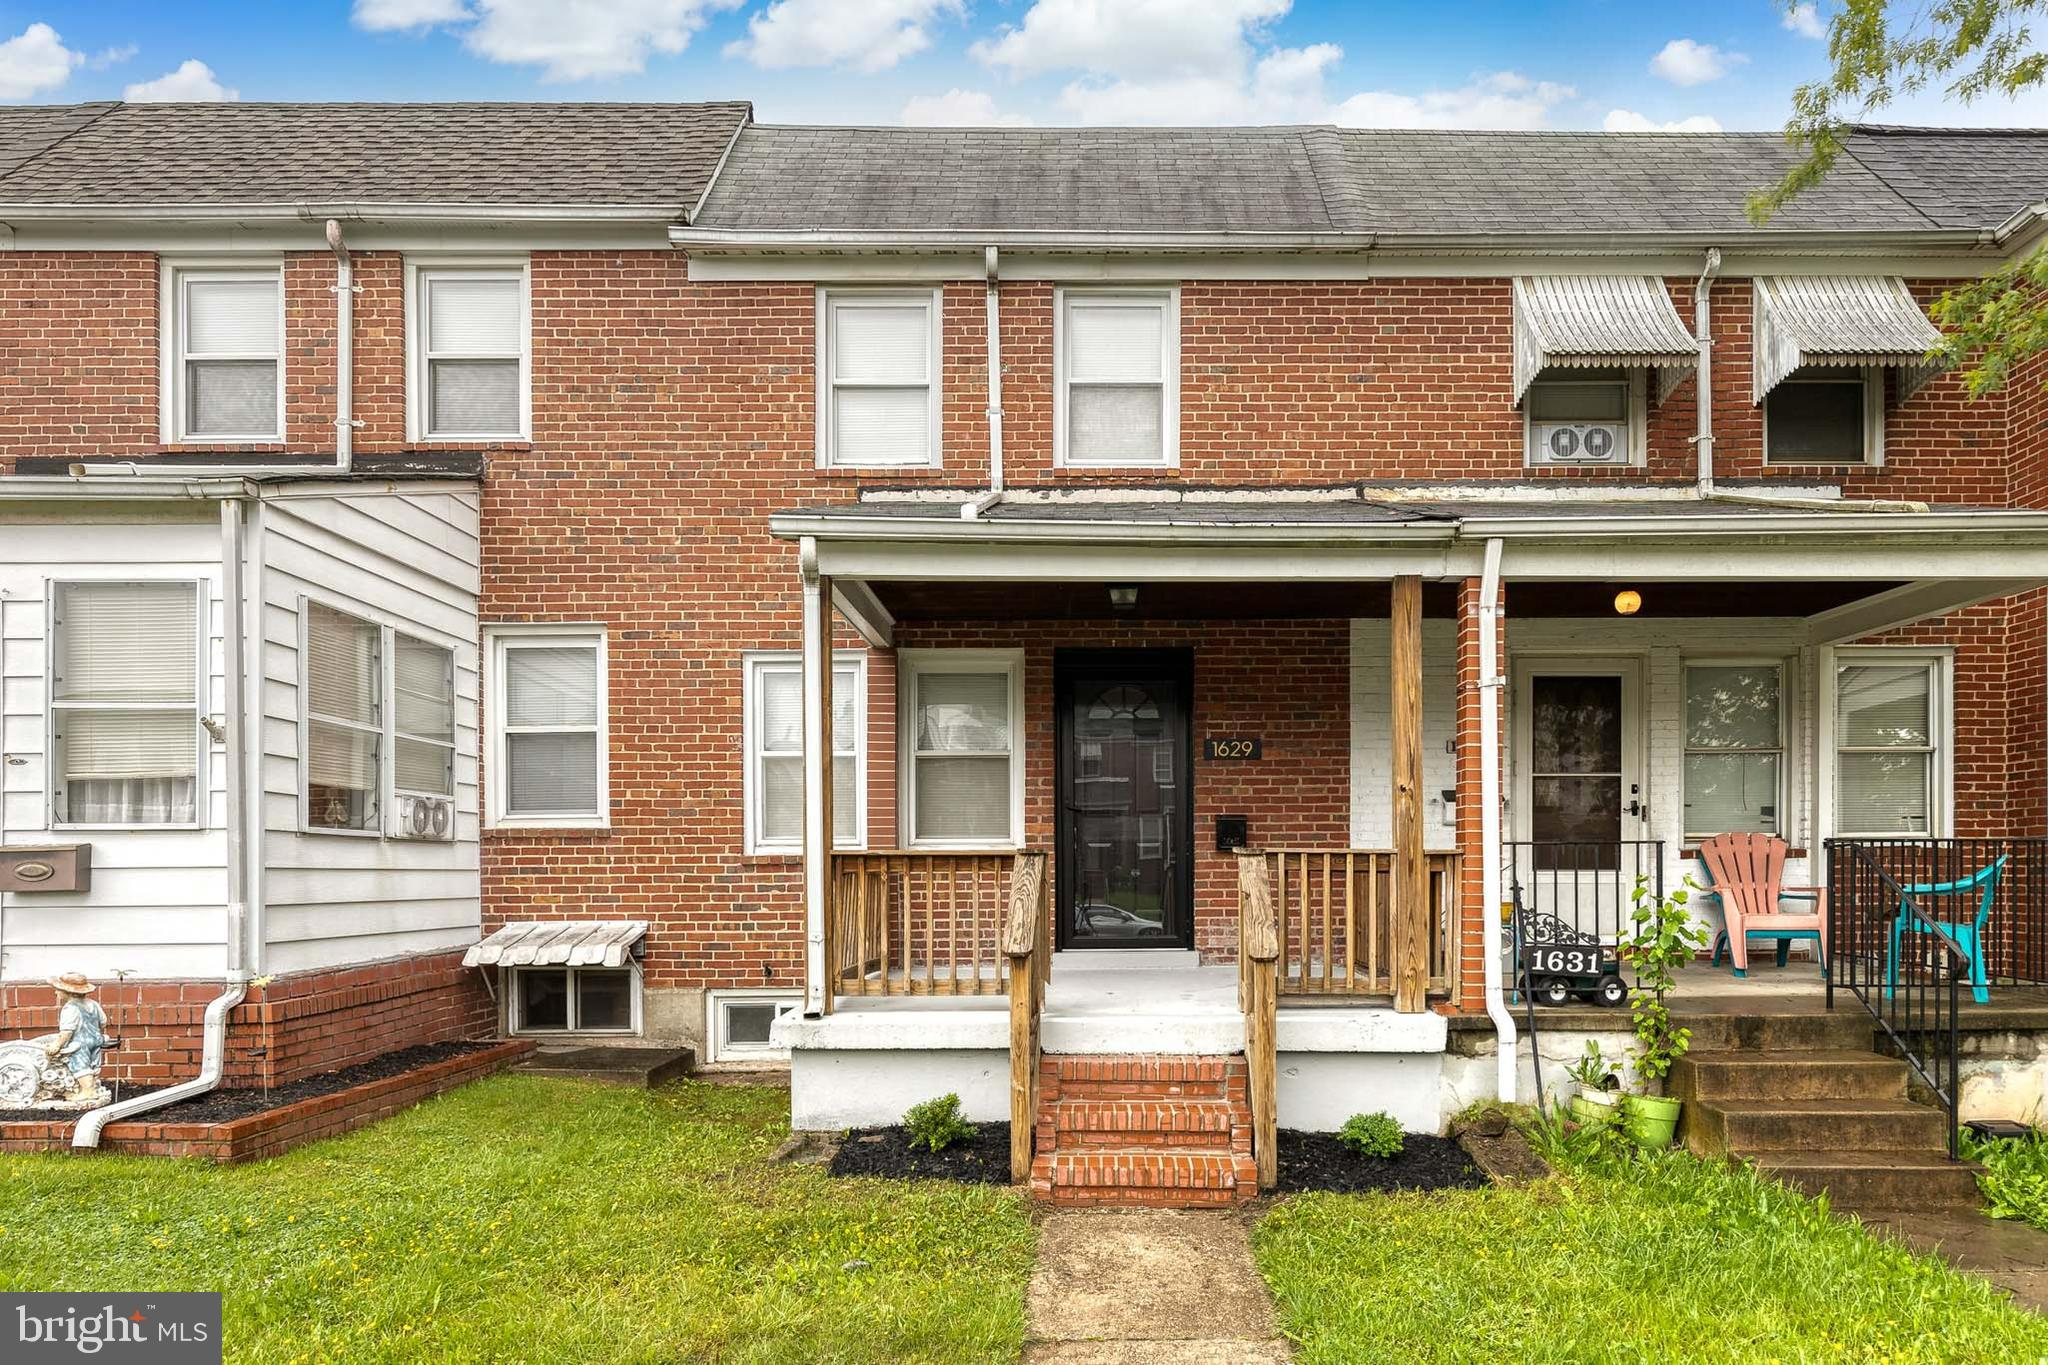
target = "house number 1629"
x: 1232, y: 747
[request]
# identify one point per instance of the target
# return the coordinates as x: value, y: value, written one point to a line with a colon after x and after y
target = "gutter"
x: 214, y: 1029
x: 1490, y: 684
x: 187, y: 212
x: 975, y: 506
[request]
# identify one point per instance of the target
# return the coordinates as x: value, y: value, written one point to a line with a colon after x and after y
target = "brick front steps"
x: 277, y: 1130
x: 1145, y: 1131
x: 1820, y: 1118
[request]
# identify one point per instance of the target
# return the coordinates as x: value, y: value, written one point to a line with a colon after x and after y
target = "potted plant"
x: 1599, y: 1087
x: 1664, y: 938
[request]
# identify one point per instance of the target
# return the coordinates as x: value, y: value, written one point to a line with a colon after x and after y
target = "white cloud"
x: 570, y: 40
x: 380, y: 15
x: 34, y: 60
x: 870, y: 36
x: 1804, y: 20
x: 1685, y: 62
x: 1629, y: 121
x: 111, y: 56
x: 1132, y: 38
x: 192, y: 81
x: 1499, y: 99
x: 959, y: 109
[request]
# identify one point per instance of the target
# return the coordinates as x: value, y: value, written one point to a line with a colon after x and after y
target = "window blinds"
x: 780, y: 741
x: 124, y: 694
x: 126, y: 642
x: 344, y: 706
x: 551, y: 724
x: 880, y: 362
x: 1115, y: 381
x: 230, y: 361
x: 424, y: 754
x: 474, y: 339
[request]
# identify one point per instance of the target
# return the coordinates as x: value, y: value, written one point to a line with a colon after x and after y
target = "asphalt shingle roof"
x: 652, y: 155
x: 1959, y: 177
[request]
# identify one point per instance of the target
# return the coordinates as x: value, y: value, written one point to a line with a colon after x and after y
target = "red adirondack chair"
x: 1747, y: 871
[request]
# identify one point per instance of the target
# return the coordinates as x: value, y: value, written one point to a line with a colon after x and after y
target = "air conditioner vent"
x: 427, y: 818
x: 1579, y: 443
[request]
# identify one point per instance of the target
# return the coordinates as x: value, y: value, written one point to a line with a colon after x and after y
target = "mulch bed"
x: 983, y: 1159
x: 222, y: 1106
x: 1318, y: 1161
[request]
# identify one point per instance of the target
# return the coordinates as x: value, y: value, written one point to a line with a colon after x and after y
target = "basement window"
x: 574, y: 1000
x: 742, y: 1023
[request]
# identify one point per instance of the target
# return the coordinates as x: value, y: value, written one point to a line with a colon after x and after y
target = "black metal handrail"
x: 1581, y: 890
x: 1894, y: 951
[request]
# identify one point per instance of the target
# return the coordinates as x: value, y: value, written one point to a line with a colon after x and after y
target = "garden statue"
x: 61, y: 1070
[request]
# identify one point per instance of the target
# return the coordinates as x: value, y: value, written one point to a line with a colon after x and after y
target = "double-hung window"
x: 878, y: 378
x: 548, y: 759
x: 344, y: 720
x: 775, y: 749
x: 125, y: 703
x: 1116, y: 398
x: 469, y: 348
x: 1734, y: 748
x: 963, y: 769
x: 1888, y: 745
x: 223, y: 350
x: 423, y: 701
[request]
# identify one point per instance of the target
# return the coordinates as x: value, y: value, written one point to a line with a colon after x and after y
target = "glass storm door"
x: 1122, y: 860
x: 1581, y: 793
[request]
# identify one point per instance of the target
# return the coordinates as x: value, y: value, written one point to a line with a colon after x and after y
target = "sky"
x: 1571, y: 64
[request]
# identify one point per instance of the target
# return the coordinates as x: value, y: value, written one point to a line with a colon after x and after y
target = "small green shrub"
x: 936, y: 1124
x: 1372, y: 1135
x: 2015, y: 1178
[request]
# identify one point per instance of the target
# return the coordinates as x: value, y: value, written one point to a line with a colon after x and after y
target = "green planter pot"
x: 1652, y: 1121
x: 1594, y: 1106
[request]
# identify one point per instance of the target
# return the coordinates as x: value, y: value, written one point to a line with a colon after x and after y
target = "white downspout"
x: 344, y: 389
x: 214, y: 1030
x: 975, y: 506
x: 1490, y: 684
x: 1703, y: 379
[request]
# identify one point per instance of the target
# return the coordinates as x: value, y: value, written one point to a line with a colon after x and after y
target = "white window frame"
x: 829, y: 301
x: 306, y: 718
x: 1940, y: 662
x: 1167, y: 297
x: 758, y: 663
x: 1635, y: 421
x: 716, y: 1047
x: 419, y: 274
x: 912, y: 663
x: 452, y: 744
x: 514, y: 1024
x: 1690, y: 836
x: 201, y: 707
x: 1873, y: 423
x: 497, y: 640
x: 174, y: 277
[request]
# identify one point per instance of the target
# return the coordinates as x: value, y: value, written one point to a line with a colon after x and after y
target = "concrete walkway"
x: 1139, y: 1287
x: 2010, y: 1254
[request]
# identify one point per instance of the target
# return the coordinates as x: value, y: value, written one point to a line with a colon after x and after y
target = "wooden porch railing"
x: 1258, y: 996
x: 918, y: 923
x: 1026, y: 946
x: 1335, y: 914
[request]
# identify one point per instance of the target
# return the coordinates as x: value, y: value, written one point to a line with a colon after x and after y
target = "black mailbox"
x: 1233, y: 832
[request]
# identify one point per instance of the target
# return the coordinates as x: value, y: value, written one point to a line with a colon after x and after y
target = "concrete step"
x: 1164, y: 1178
x: 1078, y: 1125
x: 1792, y: 1074
x: 1843, y: 1028
x: 1754, y: 1127
x: 1865, y: 1180
x: 632, y: 1066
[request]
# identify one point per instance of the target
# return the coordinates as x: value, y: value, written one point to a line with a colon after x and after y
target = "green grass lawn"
x: 1672, y: 1260
x: 525, y: 1219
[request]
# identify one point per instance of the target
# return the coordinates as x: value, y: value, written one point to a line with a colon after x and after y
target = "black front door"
x: 1125, y: 827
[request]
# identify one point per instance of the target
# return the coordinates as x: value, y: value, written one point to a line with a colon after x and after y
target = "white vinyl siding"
x: 963, y: 749
x: 878, y: 379
x: 223, y: 355
x: 344, y: 695
x: 1117, y: 387
x: 469, y: 338
x: 1734, y: 748
x: 124, y: 703
x: 1889, y: 735
x: 548, y: 729
x: 775, y: 741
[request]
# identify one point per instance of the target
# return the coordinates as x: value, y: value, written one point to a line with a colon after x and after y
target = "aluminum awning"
x: 1586, y: 321
x: 559, y: 943
x: 1857, y: 320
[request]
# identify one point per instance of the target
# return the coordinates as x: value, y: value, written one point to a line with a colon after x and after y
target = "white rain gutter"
x: 1490, y: 684
x: 975, y: 506
x: 214, y: 1029
x: 1703, y: 376
x: 345, y: 289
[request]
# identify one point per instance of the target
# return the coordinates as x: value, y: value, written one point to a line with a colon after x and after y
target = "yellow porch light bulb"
x: 1628, y: 602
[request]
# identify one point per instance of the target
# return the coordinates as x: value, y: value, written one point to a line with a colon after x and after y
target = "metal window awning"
x: 1597, y: 321
x: 559, y: 943
x: 1841, y: 320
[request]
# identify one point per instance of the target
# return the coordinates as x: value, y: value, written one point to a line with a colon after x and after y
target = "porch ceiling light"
x: 1123, y: 596
x: 1628, y: 602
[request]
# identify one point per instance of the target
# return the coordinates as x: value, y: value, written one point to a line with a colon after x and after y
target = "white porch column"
x: 817, y: 780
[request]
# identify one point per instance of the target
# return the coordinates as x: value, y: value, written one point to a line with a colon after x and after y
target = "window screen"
x: 878, y: 359
x: 552, y: 728
x: 1114, y: 359
x: 961, y: 756
x: 778, y: 776
x: 124, y: 702
x: 344, y: 676
x: 424, y: 751
x: 474, y: 338
x: 229, y: 355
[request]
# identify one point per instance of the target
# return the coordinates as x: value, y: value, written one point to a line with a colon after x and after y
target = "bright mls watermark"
x: 163, y: 1329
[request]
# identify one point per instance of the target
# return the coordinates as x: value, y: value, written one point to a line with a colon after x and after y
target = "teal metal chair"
x: 1969, y: 938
